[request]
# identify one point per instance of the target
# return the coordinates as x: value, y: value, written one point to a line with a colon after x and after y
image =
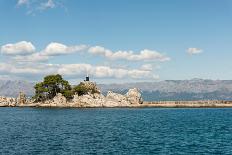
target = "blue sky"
x: 116, y: 41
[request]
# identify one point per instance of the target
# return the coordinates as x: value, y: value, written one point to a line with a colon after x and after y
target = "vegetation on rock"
x: 54, y: 84
x: 51, y: 85
x: 80, y: 89
x: 83, y: 89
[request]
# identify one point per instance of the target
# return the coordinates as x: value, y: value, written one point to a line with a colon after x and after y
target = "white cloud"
x: 47, y: 5
x: 22, y: 2
x: 54, y: 49
x: 147, y: 67
x: 20, y: 48
x: 25, y: 61
x: 193, y: 51
x: 34, y: 6
x: 25, y: 51
x: 35, y: 57
x: 26, y: 69
x: 74, y: 70
x: 141, y: 74
x: 103, y: 71
x: 128, y: 55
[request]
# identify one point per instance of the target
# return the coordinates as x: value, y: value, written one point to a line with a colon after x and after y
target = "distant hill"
x: 195, y: 89
x: 12, y: 88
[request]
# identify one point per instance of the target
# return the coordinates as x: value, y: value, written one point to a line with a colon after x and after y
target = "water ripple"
x: 115, y: 131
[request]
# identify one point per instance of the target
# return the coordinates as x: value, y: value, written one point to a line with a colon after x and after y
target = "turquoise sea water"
x: 115, y: 131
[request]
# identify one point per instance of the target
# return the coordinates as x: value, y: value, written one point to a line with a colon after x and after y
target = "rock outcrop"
x: 133, y: 97
x: 11, y: 102
x: 92, y: 99
x: 59, y: 100
x: 111, y: 100
x: 90, y: 86
x: 7, y: 102
x: 116, y: 100
x: 21, y: 100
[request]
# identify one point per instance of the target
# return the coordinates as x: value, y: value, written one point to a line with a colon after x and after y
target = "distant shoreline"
x: 190, y: 104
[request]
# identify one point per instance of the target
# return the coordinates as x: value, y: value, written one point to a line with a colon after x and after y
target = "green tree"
x: 80, y: 89
x: 51, y: 85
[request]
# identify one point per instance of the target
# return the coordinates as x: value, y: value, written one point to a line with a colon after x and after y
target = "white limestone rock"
x: 59, y: 100
x: 115, y: 99
x: 21, y: 99
x: 7, y: 101
x: 91, y: 100
x: 134, y: 96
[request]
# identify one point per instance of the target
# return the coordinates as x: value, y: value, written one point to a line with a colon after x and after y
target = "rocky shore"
x: 131, y: 98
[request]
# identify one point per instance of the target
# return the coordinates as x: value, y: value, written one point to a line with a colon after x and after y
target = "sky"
x: 116, y: 41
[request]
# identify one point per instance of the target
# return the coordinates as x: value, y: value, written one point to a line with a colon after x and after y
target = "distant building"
x: 87, y: 78
x: 90, y: 85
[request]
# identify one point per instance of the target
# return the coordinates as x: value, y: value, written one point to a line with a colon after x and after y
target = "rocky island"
x: 56, y: 92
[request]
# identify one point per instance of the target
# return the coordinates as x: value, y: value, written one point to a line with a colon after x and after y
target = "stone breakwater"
x: 131, y: 98
x: 190, y: 104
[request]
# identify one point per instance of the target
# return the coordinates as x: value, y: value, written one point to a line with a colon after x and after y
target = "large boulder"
x: 115, y: 99
x: 134, y: 96
x: 59, y: 100
x: 90, y: 100
x: 86, y: 100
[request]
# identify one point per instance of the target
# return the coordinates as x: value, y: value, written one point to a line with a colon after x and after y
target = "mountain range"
x: 12, y: 88
x: 195, y: 89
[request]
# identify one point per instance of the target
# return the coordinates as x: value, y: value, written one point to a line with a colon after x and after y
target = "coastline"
x: 189, y: 104
x: 145, y: 104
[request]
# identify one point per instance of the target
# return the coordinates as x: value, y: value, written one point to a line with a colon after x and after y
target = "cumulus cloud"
x: 26, y: 69
x: 128, y: 55
x: 103, y: 71
x: 35, y: 57
x: 77, y: 70
x: 25, y: 61
x: 147, y: 67
x: 20, y: 48
x: 193, y: 51
x: 26, y: 52
x: 54, y: 49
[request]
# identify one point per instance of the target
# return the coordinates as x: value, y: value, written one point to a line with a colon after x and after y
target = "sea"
x: 126, y: 131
